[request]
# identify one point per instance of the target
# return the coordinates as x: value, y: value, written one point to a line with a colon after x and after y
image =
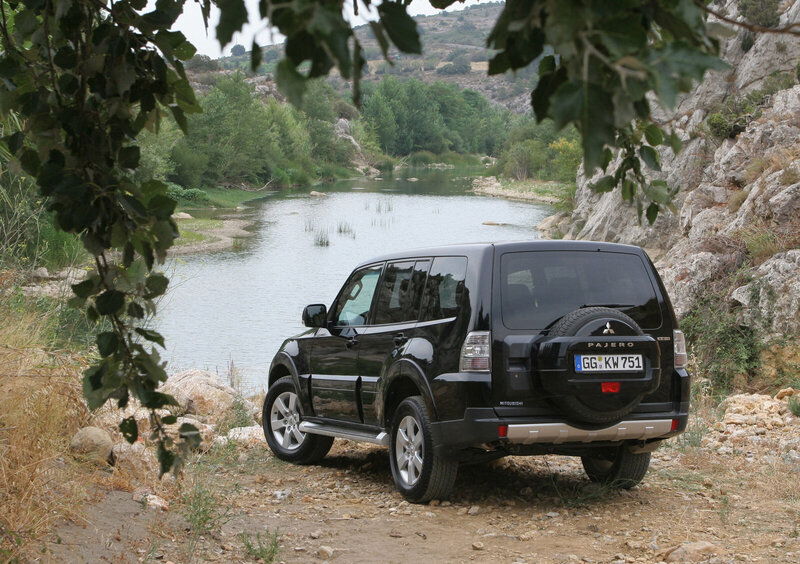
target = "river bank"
x: 539, y: 191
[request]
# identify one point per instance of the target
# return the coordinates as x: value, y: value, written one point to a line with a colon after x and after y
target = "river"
x: 234, y: 308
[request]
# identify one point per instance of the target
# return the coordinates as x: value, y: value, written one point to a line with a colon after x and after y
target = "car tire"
x: 617, y: 467
x: 281, y: 415
x: 420, y: 475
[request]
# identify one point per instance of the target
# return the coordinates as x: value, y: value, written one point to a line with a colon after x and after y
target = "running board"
x: 381, y: 438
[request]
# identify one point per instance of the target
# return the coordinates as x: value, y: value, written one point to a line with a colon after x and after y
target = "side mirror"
x: 315, y: 315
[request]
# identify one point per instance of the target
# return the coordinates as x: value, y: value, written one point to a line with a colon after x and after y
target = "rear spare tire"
x: 597, y: 408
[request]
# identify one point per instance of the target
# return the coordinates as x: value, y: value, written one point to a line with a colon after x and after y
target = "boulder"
x: 181, y: 215
x: 316, y: 194
x: 93, y: 443
x: 135, y: 460
x: 201, y: 393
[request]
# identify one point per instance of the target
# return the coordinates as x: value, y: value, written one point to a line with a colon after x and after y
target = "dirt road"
x: 513, y: 510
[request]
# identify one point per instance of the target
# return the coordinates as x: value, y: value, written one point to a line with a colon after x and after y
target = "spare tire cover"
x: 592, y: 322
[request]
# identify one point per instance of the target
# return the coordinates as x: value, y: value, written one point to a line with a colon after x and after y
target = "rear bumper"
x: 481, y: 426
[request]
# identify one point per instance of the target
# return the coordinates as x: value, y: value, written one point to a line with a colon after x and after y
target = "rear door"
x: 334, y: 357
x: 393, y: 323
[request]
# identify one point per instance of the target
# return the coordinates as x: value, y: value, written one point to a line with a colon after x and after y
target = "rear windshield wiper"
x: 607, y: 305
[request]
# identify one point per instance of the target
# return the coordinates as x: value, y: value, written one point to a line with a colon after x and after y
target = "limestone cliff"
x: 739, y: 198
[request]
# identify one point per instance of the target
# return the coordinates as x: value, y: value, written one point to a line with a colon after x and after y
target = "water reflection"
x: 238, y: 306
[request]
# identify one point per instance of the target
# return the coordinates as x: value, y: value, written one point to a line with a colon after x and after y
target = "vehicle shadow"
x: 539, y: 483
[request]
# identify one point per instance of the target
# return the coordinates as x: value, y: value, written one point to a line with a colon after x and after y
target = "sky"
x: 191, y: 24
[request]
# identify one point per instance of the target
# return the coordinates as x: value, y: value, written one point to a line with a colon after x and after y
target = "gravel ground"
x: 706, y: 498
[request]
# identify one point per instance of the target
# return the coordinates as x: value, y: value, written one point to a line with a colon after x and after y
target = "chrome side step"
x: 557, y: 433
x: 381, y: 438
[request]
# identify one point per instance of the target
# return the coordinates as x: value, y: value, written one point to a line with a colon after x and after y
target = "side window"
x: 356, y: 297
x: 445, y: 291
x: 400, y: 292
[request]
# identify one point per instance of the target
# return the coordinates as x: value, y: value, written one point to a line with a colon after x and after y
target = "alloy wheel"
x: 284, y: 421
x: 408, y: 450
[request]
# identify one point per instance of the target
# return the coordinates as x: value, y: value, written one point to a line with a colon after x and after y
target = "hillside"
x: 730, y: 254
x: 454, y: 51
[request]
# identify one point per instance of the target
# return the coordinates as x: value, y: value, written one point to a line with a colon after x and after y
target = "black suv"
x: 472, y: 352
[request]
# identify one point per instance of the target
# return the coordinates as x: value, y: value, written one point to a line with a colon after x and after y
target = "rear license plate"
x: 608, y: 363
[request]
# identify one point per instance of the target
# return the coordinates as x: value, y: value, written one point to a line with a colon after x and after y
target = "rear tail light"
x: 675, y: 424
x: 679, y: 349
x: 476, y: 353
x: 502, y: 431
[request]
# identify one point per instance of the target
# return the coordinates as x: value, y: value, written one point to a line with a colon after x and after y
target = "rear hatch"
x: 604, y: 365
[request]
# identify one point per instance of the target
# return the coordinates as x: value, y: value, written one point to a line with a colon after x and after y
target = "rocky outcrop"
x: 201, y: 393
x: 739, y: 198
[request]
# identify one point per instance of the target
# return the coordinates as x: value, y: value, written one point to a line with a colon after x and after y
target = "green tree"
x: 238, y: 50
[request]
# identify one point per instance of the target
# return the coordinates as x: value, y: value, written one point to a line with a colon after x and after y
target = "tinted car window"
x: 400, y: 292
x: 539, y: 287
x: 444, y: 292
x: 356, y: 297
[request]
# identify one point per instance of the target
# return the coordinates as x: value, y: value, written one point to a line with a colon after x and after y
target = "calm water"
x: 238, y: 306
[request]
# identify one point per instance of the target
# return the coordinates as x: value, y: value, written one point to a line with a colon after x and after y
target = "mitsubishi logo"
x: 608, y: 330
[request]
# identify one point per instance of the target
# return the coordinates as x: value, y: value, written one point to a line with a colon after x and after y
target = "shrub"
x: 727, y: 353
x: 794, y: 405
x: 748, y: 40
x: 760, y: 12
x: 736, y: 200
x: 421, y: 158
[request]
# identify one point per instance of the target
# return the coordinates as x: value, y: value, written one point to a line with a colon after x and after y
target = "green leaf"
x: 86, y: 288
x: 107, y: 343
x: 156, y: 285
x: 628, y: 190
x: 152, y: 336
x: 129, y: 157
x: 650, y: 157
x: 652, y: 213
x: 675, y: 142
x: 166, y: 459
x: 129, y: 429
x: 653, y: 134
x: 185, y: 51
x: 380, y: 37
x: 605, y: 184
x: 169, y: 419
x: 110, y: 302
x: 290, y: 82
x: 233, y: 15
x: 256, y: 55
x: 401, y: 28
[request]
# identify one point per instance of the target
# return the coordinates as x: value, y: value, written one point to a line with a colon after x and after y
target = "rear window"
x: 539, y: 287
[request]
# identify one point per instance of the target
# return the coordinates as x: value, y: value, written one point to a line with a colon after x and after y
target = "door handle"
x: 399, y: 339
x: 350, y: 343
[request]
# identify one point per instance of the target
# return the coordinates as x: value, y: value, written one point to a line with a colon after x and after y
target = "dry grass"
x: 41, y: 407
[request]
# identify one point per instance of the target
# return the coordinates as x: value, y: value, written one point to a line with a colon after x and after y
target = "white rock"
x: 181, y: 215
x: 92, y: 442
x: 252, y: 434
x: 316, y: 194
x: 202, y: 393
x: 150, y: 500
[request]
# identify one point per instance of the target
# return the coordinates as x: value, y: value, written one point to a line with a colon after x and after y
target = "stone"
x: 477, y: 545
x: 202, y: 393
x: 315, y: 534
x: 40, y: 273
x: 150, y: 500
x: 325, y: 552
x: 474, y: 510
x: 691, y: 552
x: 181, y: 215
x: 93, y: 443
x: 785, y: 393
x: 135, y: 460
x: 248, y: 435
x: 316, y: 194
